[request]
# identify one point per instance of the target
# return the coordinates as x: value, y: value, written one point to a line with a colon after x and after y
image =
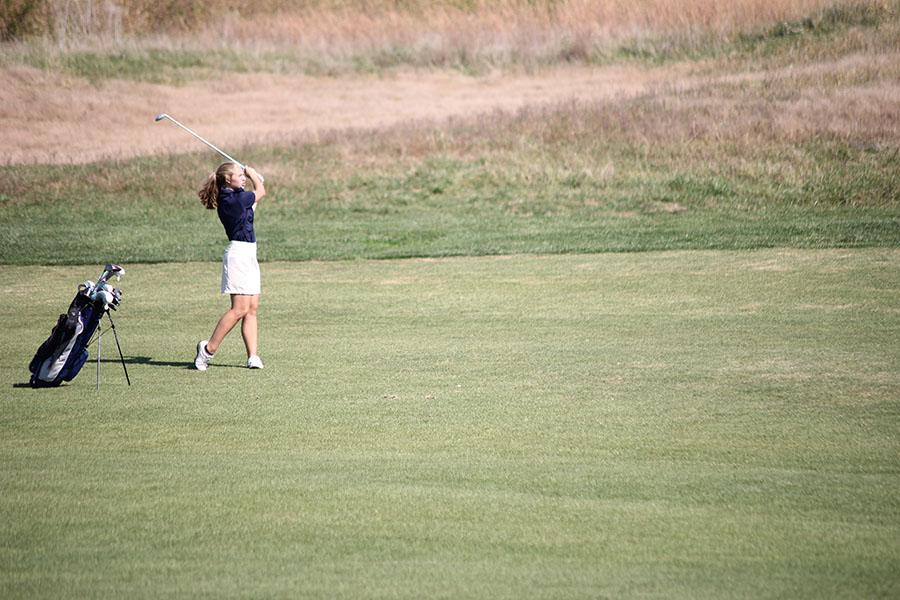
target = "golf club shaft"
x: 196, y: 135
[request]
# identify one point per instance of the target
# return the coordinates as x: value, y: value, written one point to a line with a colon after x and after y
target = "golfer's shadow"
x: 147, y: 360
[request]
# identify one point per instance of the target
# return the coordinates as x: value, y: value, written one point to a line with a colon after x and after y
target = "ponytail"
x: 209, y: 192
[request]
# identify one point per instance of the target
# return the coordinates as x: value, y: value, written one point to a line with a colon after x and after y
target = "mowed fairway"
x: 697, y: 424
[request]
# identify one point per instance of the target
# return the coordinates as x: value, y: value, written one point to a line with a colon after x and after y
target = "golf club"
x: 162, y: 116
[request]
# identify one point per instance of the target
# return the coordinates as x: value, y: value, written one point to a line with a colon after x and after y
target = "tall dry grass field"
x: 341, y: 27
x: 752, y: 71
x: 511, y: 25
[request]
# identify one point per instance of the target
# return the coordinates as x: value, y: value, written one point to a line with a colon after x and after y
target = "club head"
x: 160, y: 117
x: 111, y: 270
x: 86, y: 288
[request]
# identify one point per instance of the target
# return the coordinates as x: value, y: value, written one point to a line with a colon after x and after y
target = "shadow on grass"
x: 135, y: 360
x: 147, y: 360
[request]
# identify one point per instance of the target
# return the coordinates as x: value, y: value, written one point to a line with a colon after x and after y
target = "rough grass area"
x: 677, y: 425
x: 800, y: 150
x: 323, y: 204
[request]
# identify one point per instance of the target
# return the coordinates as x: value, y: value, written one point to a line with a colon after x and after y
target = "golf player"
x: 224, y: 191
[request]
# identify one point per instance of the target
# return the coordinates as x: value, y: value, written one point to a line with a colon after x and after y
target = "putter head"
x: 160, y: 117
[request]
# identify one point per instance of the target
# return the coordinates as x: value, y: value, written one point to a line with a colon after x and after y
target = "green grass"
x: 679, y: 424
x: 542, y: 198
x: 677, y: 379
x: 164, y: 65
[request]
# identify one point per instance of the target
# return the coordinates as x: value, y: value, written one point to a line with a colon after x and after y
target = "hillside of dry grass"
x: 831, y: 74
x: 182, y: 41
x: 115, y: 119
x: 341, y: 24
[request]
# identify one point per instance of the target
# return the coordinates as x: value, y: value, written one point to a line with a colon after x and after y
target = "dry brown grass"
x: 356, y: 26
x: 54, y: 118
x: 847, y: 90
x: 50, y: 118
x: 511, y: 21
x: 777, y: 108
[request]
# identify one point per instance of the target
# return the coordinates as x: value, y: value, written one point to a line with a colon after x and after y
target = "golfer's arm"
x: 259, y: 188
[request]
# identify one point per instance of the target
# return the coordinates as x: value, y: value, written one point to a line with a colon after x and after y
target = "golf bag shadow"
x: 62, y: 355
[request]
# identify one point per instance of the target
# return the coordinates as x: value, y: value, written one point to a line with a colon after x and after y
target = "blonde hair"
x: 209, y: 192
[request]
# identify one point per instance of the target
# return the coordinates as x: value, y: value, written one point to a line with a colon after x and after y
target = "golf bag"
x: 62, y: 355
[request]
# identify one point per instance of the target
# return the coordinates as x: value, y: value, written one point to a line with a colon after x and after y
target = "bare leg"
x: 249, y: 329
x: 239, y: 307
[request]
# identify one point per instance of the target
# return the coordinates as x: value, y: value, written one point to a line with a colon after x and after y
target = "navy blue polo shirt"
x: 236, y: 213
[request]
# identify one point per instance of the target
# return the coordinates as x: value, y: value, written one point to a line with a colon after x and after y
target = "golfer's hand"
x: 258, y: 187
x: 253, y: 173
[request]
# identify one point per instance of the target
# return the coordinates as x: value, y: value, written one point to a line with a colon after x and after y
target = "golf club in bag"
x: 64, y: 353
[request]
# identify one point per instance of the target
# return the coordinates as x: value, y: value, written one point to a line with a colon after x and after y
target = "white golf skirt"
x: 240, y: 270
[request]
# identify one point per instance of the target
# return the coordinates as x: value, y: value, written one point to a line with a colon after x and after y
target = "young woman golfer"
x: 224, y: 191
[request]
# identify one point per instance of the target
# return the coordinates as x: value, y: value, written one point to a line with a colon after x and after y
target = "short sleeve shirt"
x: 236, y: 213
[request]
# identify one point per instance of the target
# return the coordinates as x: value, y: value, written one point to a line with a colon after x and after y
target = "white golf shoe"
x: 203, y: 357
x: 254, y: 362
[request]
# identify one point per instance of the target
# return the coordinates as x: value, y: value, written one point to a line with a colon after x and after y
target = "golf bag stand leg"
x: 99, y: 339
x: 116, y: 336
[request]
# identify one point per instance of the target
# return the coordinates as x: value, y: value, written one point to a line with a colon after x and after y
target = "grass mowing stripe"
x: 679, y: 424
